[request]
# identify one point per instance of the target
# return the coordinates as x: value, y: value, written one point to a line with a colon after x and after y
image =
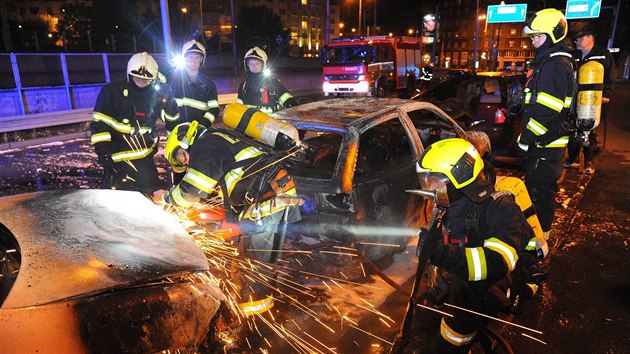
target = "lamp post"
x: 476, y: 46
x: 360, y: 17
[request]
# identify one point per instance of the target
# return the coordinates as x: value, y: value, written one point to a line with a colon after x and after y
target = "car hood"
x: 81, y: 242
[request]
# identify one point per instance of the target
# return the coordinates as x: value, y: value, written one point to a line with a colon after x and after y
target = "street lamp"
x: 360, y: 17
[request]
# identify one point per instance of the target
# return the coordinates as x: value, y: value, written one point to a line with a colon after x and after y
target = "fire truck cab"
x: 371, y: 66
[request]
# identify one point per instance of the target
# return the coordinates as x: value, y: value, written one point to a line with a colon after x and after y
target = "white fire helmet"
x: 255, y: 53
x: 194, y: 46
x: 142, y: 65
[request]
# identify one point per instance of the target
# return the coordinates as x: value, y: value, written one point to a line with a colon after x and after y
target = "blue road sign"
x: 506, y: 13
x: 582, y: 9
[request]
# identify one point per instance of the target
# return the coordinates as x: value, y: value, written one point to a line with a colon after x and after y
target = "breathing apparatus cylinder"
x: 260, y: 126
x: 589, y: 96
x: 517, y: 187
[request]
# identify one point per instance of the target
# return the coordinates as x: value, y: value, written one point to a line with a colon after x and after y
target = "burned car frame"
x: 99, y: 271
x: 359, y: 158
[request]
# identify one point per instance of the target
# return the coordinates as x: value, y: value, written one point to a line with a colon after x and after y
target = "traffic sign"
x: 582, y: 9
x: 279, y: 39
x: 506, y: 13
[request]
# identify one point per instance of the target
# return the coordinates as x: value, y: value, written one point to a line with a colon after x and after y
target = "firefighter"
x: 260, y: 90
x: 548, y: 95
x: 123, y: 126
x: 220, y: 162
x: 195, y: 92
x: 487, y: 239
x: 588, y: 51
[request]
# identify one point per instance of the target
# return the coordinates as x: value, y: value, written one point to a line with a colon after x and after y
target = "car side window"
x: 491, y: 91
x: 319, y: 157
x: 430, y: 127
x: 383, y: 147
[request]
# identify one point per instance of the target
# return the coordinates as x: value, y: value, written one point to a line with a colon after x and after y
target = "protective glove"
x: 440, y: 255
x: 438, y: 285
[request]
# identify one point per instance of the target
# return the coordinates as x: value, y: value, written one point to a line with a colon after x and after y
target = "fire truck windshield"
x: 345, y: 55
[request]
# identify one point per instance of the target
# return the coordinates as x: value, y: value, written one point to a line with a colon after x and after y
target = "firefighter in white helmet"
x: 123, y: 126
x: 260, y: 89
x: 546, y: 120
x: 195, y: 92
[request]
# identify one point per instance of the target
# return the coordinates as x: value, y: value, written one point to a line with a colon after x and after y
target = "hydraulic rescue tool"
x: 427, y: 242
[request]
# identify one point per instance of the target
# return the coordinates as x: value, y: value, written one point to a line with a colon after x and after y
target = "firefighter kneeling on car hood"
x: 486, y: 248
x: 227, y: 164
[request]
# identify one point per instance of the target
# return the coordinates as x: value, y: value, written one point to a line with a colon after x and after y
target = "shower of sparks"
x: 227, y: 264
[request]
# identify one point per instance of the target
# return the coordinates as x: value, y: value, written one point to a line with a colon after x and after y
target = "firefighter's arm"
x: 554, y: 95
x: 213, y: 106
x: 609, y: 74
x: 101, y: 132
x: 285, y: 99
x: 169, y: 111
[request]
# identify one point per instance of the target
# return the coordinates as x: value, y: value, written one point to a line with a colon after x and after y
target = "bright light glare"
x: 266, y: 72
x: 179, y: 61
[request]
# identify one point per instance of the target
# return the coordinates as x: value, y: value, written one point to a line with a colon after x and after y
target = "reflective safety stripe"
x: 506, y: 251
x: 549, y: 101
x: 132, y: 154
x: 100, y: 137
x: 528, y: 96
x: 190, y: 102
x: 531, y: 245
x: 178, y: 198
x: 230, y: 139
x: 477, y: 267
x: 285, y: 96
x: 213, y: 104
x: 558, y: 143
x: 265, y: 208
x: 235, y: 175
x: 200, y: 181
x: 113, y: 123
x: 209, y: 116
x: 238, y: 100
x: 262, y: 109
x: 567, y: 101
x: 456, y: 339
x: 167, y: 117
x: 256, y: 307
x: 596, y: 57
x: 535, y: 127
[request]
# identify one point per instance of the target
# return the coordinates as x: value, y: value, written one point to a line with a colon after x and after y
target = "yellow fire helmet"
x: 548, y: 21
x: 182, y: 136
x: 255, y: 53
x: 454, y: 161
x: 194, y: 46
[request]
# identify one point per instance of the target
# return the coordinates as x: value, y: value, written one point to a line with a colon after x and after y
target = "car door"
x: 385, y: 169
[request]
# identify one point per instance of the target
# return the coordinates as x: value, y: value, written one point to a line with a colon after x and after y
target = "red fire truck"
x: 371, y: 65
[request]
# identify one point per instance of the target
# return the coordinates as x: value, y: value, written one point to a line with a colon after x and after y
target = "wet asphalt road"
x: 585, y: 303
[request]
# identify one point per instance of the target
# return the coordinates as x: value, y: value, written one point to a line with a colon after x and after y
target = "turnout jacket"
x: 196, y: 98
x: 548, y: 95
x: 124, y: 120
x: 490, y: 250
x: 603, y: 56
x: 265, y: 93
x: 222, y: 165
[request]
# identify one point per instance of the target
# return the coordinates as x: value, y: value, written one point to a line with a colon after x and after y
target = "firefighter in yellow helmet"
x: 486, y: 240
x: 221, y: 163
x: 546, y: 120
x: 261, y: 90
x: 123, y: 126
x: 195, y: 92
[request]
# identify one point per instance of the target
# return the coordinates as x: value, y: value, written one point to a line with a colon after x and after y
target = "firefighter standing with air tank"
x: 595, y: 79
x: 548, y: 96
x: 255, y: 190
x: 260, y: 90
x: 123, y: 127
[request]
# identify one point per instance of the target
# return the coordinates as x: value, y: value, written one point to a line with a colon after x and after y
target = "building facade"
x: 500, y: 46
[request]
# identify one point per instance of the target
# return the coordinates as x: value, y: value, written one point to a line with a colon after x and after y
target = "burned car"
x: 99, y: 271
x: 358, y: 159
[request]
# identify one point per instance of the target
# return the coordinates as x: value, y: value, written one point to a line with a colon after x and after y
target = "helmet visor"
x: 433, y: 181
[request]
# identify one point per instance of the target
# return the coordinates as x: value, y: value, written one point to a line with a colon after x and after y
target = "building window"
x: 34, y: 10
x: 456, y: 45
x: 464, y: 45
x: 511, y: 43
x: 513, y: 31
x: 464, y: 59
x: 283, y: 11
x: 304, y: 25
x: 304, y: 2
